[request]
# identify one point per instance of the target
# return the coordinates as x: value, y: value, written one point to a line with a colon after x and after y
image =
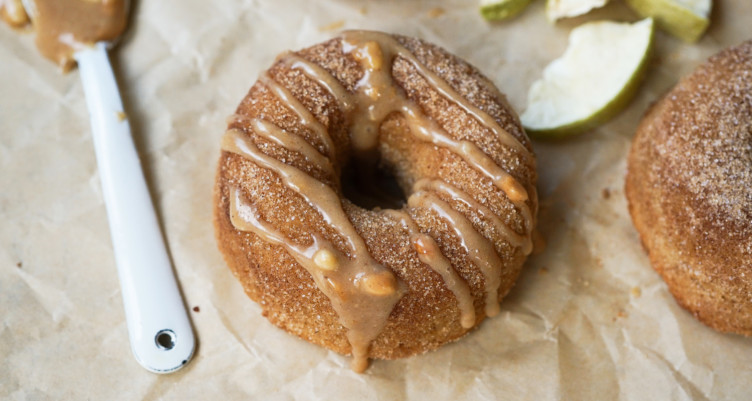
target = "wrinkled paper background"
x: 588, y: 320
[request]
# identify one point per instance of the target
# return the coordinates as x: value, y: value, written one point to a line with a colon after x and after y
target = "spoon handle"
x: 160, y: 333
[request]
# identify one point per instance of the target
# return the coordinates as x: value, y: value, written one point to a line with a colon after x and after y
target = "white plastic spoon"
x: 160, y: 333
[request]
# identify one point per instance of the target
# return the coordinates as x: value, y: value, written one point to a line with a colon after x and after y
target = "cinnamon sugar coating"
x: 428, y: 314
x: 689, y: 186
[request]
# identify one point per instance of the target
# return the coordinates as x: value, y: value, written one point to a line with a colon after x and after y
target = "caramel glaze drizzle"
x: 322, y: 77
x: 306, y: 117
x: 511, y: 236
x: 430, y: 254
x: 64, y: 27
x: 289, y: 141
x: 362, y: 291
x: 480, y: 250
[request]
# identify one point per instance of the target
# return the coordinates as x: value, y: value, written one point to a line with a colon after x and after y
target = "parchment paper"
x: 588, y: 320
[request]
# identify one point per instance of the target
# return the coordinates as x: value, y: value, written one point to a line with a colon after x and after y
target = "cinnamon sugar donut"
x: 375, y: 283
x: 689, y: 186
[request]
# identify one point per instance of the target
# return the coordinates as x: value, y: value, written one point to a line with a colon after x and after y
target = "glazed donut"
x: 689, y: 187
x: 370, y: 282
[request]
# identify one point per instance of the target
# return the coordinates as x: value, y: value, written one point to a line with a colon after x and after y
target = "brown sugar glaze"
x: 363, y: 292
x: 65, y: 26
x: 13, y: 13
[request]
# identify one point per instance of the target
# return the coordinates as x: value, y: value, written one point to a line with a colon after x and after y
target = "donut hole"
x: 372, y: 186
x: 370, y: 179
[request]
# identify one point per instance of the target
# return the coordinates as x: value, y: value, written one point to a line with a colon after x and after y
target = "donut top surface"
x: 362, y: 291
x: 703, y: 144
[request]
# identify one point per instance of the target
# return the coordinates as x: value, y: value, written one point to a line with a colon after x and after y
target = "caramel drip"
x: 306, y: 117
x: 364, y: 292
x: 430, y: 254
x: 480, y: 250
x: 448, y: 92
x: 378, y: 96
x: 386, y: 41
x: 289, y: 141
x: 472, y: 155
x: 322, y: 77
x: 515, y: 239
x: 377, y: 85
x: 245, y: 217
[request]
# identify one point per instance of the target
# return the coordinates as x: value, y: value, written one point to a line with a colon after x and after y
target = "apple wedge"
x: 596, y: 77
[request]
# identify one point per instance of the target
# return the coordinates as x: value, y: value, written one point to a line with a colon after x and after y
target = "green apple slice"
x: 557, y: 9
x: 596, y: 77
x: 685, y: 19
x: 495, y: 10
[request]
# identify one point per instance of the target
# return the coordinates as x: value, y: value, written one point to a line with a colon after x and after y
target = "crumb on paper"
x: 436, y: 12
x: 606, y: 193
x: 598, y: 262
x: 363, y: 10
x: 19, y: 265
x: 333, y: 26
x: 636, y: 292
x: 621, y: 314
x: 196, y: 309
x: 121, y: 116
x: 543, y: 271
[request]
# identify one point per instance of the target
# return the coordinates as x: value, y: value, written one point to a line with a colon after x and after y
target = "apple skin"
x: 672, y: 18
x: 504, y: 9
x: 605, y: 113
